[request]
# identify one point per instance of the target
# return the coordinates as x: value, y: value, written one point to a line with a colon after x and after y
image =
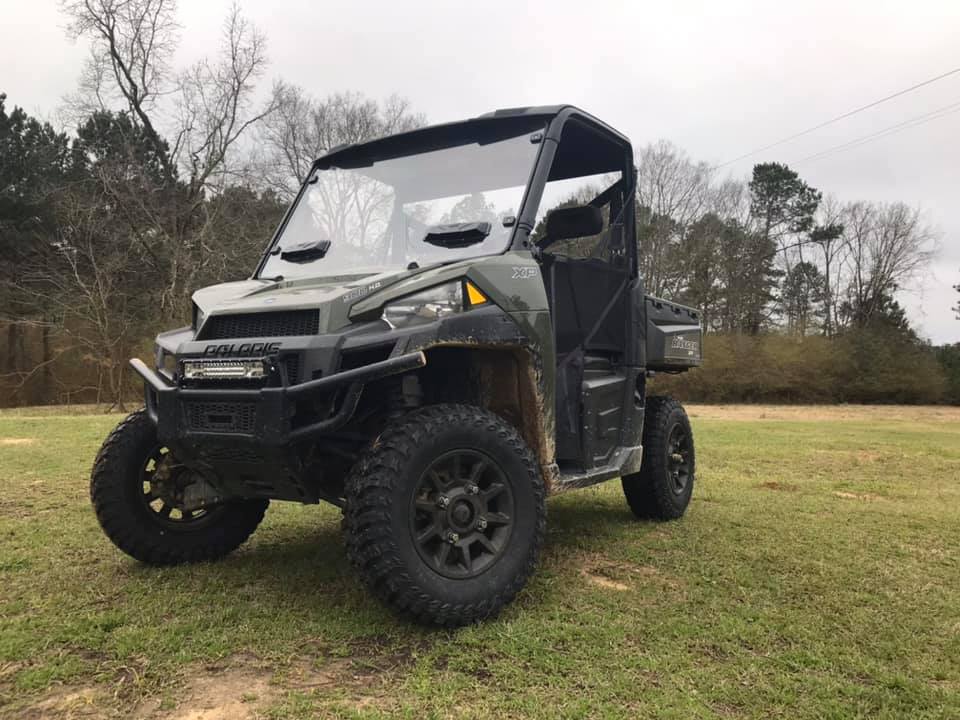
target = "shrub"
x: 869, y: 366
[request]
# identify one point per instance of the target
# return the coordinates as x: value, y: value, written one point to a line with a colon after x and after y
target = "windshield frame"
x: 437, y: 137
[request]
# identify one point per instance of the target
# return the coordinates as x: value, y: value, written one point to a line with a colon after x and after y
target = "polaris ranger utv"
x: 447, y: 326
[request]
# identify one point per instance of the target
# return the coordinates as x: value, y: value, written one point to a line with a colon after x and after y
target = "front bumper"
x: 264, y: 414
x: 320, y: 381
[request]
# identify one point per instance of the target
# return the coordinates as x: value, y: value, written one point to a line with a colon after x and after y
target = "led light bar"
x: 223, y: 369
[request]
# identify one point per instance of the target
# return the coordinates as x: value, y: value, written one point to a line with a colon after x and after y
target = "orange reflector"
x: 474, y: 296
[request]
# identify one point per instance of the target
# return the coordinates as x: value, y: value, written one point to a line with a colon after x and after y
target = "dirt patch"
x: 240, y: 688
x: 615, y: 575
x: 65, y: 702
x: 605, y: 583
x: 230, y: 695
x: 806, y: 413
x: 858, y: 496
x: 244, y: 689
x: 660, y: 534
x: 17, y: 441
x: 774, y: 485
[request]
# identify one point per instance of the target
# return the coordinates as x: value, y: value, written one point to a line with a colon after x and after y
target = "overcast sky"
x: 717, y: 78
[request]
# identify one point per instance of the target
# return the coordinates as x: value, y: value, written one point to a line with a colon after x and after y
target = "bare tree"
x: 889, y: 244
x: 673, y: 192
x: 205, y: 111
x: 90, y: 278
x: 132, y: 42
x: 670, y: 183
x: 302, y: 129
x: 215, y: 101
x: 834, y: 245
x: 730, y: 199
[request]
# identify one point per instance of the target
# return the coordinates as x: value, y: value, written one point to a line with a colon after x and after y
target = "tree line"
x: 797, y: 289
x: 171, y: 179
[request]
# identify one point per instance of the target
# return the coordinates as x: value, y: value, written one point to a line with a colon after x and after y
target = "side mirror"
x: 573, y: 222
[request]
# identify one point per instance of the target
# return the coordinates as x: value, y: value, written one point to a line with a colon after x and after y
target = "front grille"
x: 262, y: 325
x: 226, y: 417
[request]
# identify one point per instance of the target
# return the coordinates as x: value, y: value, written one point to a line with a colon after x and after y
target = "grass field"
x: 816, y: 574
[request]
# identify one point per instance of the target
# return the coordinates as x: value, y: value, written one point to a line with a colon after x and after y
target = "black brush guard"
x: 268, y: 410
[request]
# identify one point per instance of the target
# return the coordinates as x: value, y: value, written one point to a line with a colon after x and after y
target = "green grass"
x: 816, y: 574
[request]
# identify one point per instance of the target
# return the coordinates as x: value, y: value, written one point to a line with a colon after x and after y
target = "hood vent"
x: 282, y: 323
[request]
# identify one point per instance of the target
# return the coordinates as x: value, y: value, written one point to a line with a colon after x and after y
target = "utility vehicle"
x: 447, y: 326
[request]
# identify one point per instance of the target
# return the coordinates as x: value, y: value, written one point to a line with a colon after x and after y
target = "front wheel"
x: 662, y: 488
x: 446, y: 514
x: 137, y: 489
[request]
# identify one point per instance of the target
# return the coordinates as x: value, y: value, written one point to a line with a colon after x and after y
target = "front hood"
x: 333, y: 297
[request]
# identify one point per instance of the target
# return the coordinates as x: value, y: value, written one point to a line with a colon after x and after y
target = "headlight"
x: 224, y: 369
x: 425, y: 307
x: 198, y: 316
x: 164, y: 361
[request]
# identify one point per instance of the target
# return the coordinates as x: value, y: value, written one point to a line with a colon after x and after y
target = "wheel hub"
x: 164, y: 482
x: 462, y: 514
x: 678, y: 459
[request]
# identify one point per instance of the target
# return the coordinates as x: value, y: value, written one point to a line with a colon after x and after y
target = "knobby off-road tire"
x: 445, y: 515
x: 662, y: 488
x: 121, y: 473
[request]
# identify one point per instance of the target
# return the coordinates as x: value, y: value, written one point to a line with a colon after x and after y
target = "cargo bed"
x: 674, y: 338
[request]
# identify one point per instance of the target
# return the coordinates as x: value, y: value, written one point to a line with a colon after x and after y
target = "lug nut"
x: 482, y: 524
x: 443, y: 501
x: 453, y: 538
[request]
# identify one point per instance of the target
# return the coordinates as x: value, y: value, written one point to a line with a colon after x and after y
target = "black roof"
x: 528, y: 110
x: 505, y: 122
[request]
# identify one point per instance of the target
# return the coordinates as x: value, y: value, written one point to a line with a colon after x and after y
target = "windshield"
x: 377, y: 215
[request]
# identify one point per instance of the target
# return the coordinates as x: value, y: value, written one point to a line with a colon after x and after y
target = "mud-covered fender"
x: 523, y: 382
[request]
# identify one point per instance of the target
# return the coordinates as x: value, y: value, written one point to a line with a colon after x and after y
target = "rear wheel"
x: 664, y: 485
x: 446, y: 514
x: 137, y: 489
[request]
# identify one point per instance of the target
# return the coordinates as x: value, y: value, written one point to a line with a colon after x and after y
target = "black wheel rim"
x: 679, y: 448
x: 162, y: 484
x: 462, y: 514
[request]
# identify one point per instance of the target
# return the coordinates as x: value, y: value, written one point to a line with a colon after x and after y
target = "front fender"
x: 516, y: 370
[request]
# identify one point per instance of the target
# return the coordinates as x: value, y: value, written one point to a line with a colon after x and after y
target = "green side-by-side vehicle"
x: 447, y: 327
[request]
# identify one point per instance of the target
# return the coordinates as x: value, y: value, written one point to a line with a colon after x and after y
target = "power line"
x: 838, y: 118
x: 893, y: 129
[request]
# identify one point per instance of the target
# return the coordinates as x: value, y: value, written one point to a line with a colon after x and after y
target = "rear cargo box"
x: 674, y: 336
